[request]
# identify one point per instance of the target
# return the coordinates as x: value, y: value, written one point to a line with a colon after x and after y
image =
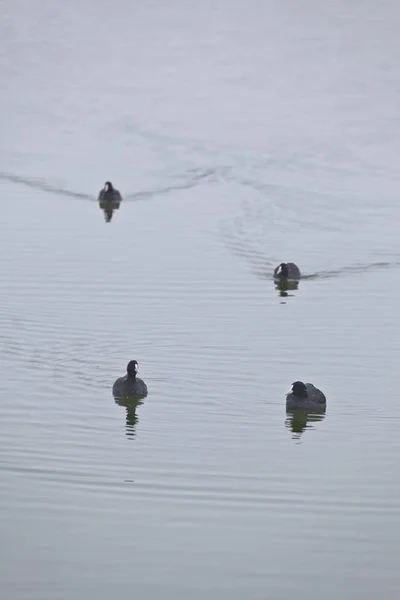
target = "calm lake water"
x: 240, y: 135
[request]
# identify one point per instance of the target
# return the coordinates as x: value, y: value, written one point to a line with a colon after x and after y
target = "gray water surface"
x: 240, y: 135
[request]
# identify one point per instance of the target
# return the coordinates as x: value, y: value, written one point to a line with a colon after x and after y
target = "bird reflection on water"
x: 130, y: 403
x: 284, y: 287
x: 299, y: 420
x: 108, y: 207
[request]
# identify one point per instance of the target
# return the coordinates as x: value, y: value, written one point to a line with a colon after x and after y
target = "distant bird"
x: 130, y: 385
x: 305, y: 396
x: 286, y: 271
x: 109, y: 193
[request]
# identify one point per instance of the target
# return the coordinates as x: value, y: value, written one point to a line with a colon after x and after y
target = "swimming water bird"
x: 286, y: 271
x: 305, y: 396
x: 110, y: 193
x: 130, y: 385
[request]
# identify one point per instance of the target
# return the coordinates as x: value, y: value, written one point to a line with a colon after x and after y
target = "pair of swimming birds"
x: 301, y: 396
x: 284, y: 271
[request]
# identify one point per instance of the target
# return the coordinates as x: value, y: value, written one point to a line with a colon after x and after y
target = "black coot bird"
x: 287, y: 271
x: 110, y: 193
x: 305, y: 396
x: 130, y: 385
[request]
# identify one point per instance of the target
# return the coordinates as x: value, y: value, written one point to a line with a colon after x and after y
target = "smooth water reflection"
x: 284, y: 287
x: 108, y: 207
x: 300, y: 420
x: 132, y: 419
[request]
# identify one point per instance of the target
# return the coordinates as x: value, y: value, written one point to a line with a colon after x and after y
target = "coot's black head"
x: 132, y: 369
x: 108, y: 186
x: 282, y: 271
x: 299, y: 389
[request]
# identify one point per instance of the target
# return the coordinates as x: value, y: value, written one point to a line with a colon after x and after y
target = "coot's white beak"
x: 289, y: 391
x: 136, y: 368
x: 106, y: 187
